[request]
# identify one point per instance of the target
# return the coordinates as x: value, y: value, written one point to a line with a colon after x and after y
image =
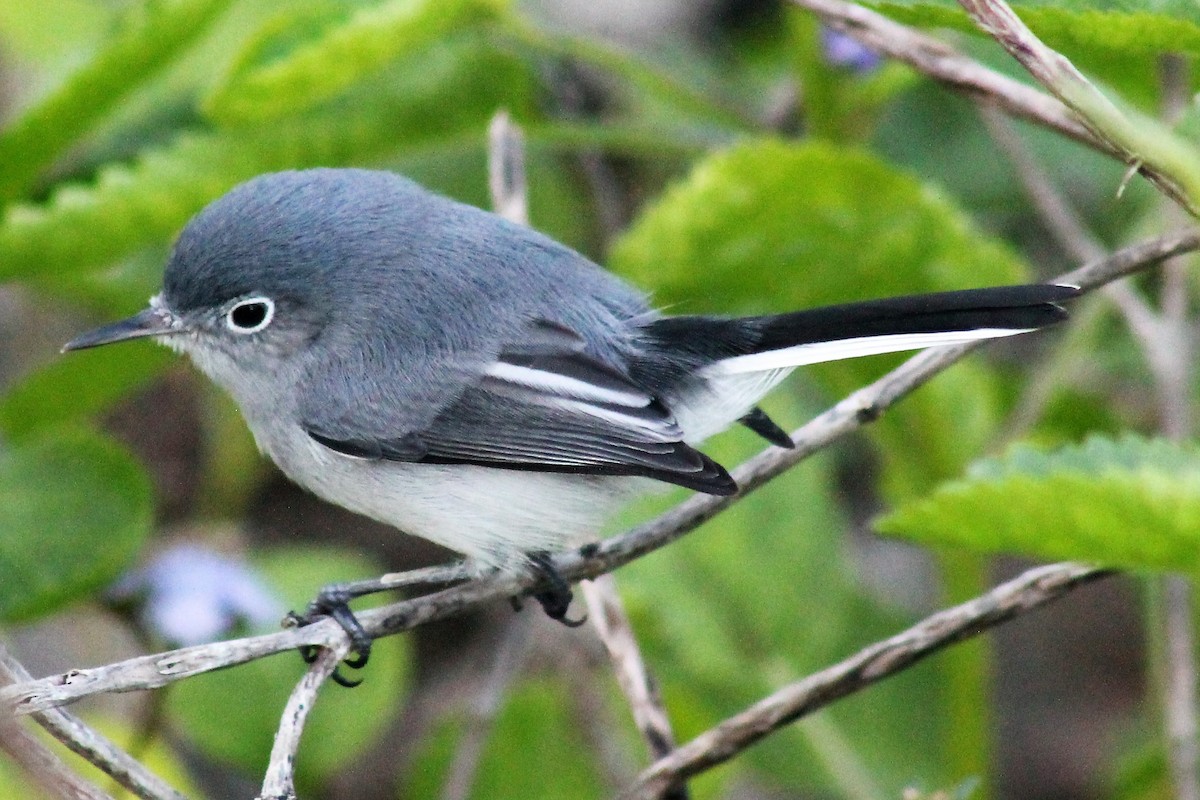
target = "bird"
x: 469, y: 380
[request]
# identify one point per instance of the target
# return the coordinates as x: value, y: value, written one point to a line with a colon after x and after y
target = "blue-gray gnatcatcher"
x: 471, y: 381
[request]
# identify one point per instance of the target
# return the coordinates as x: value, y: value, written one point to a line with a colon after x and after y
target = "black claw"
x: 333, y: 602
x: 342, y: 680
x: 360, y: 642
x: 358, y: 660
x: 556, y: 599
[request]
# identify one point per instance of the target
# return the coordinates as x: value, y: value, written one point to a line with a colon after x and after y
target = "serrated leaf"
x: 232, y: 715
x: 318, y: 70
x: 772, y: 224
x: 74, y: 511
x: 1129, y: 502
x: 131, y: 207
x: 150, y: 39
x: 1071, y: 26
x: 769, y: 225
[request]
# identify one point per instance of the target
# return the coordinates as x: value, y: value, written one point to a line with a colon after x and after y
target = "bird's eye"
x: 250, y: 316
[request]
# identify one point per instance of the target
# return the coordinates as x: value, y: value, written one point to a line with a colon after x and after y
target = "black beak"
x: 151, y: 322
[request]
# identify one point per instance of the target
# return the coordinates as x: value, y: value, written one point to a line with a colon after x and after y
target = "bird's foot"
x: 555, y: 598
x: 333, y: 601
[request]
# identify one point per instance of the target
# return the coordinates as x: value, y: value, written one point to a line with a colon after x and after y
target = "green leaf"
x: 1127, y: 502
x: 149, y: 39
x: 232, y: 715
x: 74, y: 511
x: 77, y: 386
x: 347, y: 52
x: 131, y: 207
x: 777, y: 225
x: 1076, y: 26
x: 50, y: 30
x: 769, y: 225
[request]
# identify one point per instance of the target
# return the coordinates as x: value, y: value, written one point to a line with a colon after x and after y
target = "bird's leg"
x: 556, y: 597
x: 334, y: 601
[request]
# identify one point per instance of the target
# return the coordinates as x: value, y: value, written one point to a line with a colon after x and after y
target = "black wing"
x: 546, y: 405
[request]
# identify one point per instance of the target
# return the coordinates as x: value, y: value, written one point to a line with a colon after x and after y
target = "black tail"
x: 693, y: 343
x: 999, y: 308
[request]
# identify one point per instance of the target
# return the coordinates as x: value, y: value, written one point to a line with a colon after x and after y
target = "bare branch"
x: 506, y: 169
x: 939, y: 61
x: 42, y: 767
x: 1174, y: 375
x: 944, y: 64
x: 1179, y: 687
x: 857, y: 410
x: 90, y: 745
x: 159, y: 669
x: 1060, y: 218
x: 607, y: 613
x: 1034, y: 588
x: 280, y: 782
x: 509, y: 659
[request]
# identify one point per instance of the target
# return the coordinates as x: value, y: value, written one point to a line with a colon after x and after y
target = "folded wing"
x: 546, y: 405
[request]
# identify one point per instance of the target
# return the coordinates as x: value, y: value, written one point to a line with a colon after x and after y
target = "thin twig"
x: 607, y: 614
x: 1179, y: 687
x: 1034, y: 588
x: 851, y: 414
x: 509, y: 659
x: 506, y: 169
x: 280, y: 781
x: 1060, y: 218
x: 43, y: 768
x: 1177, y: 422
x: 1076, y: 240
x: 939, y: 61
x: 87, y: 743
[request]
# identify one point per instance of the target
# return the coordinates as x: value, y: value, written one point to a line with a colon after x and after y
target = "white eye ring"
x: 250, y: 315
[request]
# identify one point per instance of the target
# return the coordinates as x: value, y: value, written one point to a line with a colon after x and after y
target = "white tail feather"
x: 817, y: 352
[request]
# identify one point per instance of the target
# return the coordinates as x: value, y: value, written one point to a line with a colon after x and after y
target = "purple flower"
x: 190, y: 595
x: 847, y: 52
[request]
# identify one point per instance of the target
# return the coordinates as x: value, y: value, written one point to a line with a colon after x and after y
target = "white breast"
x: 494, y: 516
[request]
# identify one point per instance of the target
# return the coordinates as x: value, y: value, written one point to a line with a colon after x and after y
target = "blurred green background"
x: 726, y: 156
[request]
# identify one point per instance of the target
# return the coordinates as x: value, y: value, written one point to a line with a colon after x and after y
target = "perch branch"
x: 279, y: 782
